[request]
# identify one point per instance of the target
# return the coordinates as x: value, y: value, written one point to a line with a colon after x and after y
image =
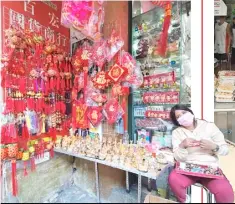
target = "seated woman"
x: 211, y: 143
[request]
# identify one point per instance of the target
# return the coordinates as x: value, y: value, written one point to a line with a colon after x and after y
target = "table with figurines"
x: 132, y: 158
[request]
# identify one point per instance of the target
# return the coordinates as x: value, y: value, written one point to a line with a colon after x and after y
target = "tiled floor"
x: 73, y: 194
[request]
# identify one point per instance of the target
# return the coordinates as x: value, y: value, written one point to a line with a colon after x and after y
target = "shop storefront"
x: 86, y: 93
x: 225, y: 75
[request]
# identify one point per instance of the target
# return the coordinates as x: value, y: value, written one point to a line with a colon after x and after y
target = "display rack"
x: 117, y: 166
x: 170, y: 71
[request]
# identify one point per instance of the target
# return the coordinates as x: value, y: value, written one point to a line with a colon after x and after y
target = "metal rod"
x: 97, y: 182
x: 127, y: 182
x: 149, y: 184
x: 139, y: 188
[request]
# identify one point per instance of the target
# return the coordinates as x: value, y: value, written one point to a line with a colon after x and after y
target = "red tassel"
x: 71, y: 84
x: 52, y: 153
x: 58, y: 83
x: 51, y: 83
x: 22, y: 85
x: 25, y: 168
x: 53, y: 134
x: 67, y: 84
x: 14, y: 178
x: 162, y: 46
x: 63, y: 84
x: 124, y: 117
x: 35, y: 88
x: 33, y: 166
x: 47, y: 87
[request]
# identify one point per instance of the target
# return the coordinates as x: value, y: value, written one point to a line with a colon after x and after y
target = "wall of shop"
x: 40, y: 185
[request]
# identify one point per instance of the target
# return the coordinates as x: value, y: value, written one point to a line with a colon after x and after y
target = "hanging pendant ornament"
x: 81, y: 59
x: 113, y: 111
x: 116, y: 73
x: 79, y: 115
x: 94, y: 115
x: 99, y: 98
x: 100, y: 81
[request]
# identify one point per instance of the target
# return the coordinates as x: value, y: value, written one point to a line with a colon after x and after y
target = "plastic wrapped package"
x: 32, y: 122
x: 85, y: 16
x: 114, y: 44
x: 8, y: 133
x: 113, y: 111
x: 99, y: 53
x: 136, y: 79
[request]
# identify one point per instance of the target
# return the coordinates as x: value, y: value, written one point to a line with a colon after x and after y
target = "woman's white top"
x: 220, y: 37
x: 195, y: 155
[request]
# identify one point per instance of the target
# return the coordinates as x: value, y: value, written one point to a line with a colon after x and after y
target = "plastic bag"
x: 135, y: 80
x: 32, y: 122
x: 85, y: 16
x: 115, y: 43
x: 76, y: 13
x: 113, y: 111
x: 99, y: 53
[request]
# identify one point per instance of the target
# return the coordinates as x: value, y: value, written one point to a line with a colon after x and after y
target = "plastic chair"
x: 209, y: 194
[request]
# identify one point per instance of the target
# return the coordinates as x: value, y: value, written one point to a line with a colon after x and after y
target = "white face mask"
x: 218, y: 20
x: 186, y: 120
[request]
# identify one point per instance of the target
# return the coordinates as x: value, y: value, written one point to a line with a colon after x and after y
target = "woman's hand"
x: 207, y: 145
x: 188, y: 142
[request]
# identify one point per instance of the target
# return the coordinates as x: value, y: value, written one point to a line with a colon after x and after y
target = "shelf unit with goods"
x: 166, y: 79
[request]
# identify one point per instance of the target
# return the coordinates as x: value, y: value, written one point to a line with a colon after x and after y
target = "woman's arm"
x: 180, y: 154
x: 218, y: 138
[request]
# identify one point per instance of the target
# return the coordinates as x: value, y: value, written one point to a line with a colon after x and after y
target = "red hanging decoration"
x: 52, y: 133
x: 116, y: 73
x: 33, y: 166
x: 14, y: 178
x: 79, y: 115
x: 162, y: 45
x: 94, y: 115
x: 113, y: 111
x: 52, y: 154
x: 25, y: 168
x: 100, y: 81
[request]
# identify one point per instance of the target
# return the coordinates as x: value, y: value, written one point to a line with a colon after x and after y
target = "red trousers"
x: 221, y: 188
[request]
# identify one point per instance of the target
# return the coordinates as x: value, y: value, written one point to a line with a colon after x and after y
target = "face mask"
x: 218, y: 20
x: 186, y: 120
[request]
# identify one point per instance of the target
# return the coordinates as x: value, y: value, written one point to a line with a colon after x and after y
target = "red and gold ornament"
x: 94, y: 115
x: 116, y: 73
x: 100, y: 81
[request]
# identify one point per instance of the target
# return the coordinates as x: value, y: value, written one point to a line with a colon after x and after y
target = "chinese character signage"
x: 38, y: 16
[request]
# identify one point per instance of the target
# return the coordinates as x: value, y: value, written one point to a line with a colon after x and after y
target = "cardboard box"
x: 156, y: 199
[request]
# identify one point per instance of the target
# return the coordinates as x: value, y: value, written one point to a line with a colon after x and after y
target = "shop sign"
x: 29, y: 15
x: 220, y: 9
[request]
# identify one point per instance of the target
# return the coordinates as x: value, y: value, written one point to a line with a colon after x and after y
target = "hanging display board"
x: 220, y: 9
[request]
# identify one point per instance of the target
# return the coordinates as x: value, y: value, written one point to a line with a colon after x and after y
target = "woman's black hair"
x: 175, y: 108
